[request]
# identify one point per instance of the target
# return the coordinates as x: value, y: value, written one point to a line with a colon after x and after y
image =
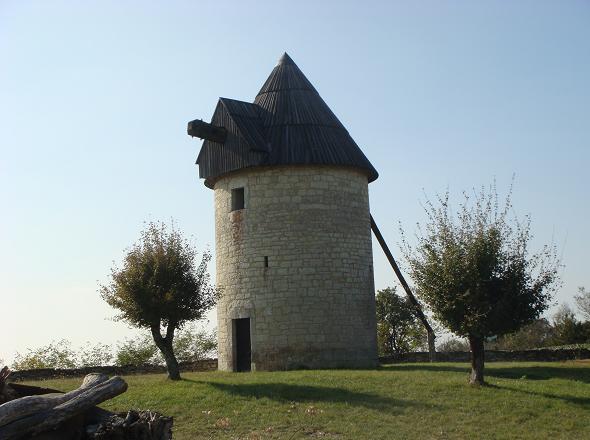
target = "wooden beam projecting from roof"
x: 207, y: 131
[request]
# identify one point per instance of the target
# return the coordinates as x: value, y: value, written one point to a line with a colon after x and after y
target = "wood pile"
x: 36, y: 413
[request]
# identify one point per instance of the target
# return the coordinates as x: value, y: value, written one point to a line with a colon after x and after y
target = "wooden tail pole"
x: 410, y: 295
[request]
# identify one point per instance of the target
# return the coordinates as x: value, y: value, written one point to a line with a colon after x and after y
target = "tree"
x: 160, y: 287
x: 567, y: 329
x: 583, y: 302
x: 398, y: 329
x: 476, y: 273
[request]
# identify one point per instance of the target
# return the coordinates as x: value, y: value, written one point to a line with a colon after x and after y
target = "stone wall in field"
x: 55, y: 373
x: 538, y: 355
x: 297, y: 261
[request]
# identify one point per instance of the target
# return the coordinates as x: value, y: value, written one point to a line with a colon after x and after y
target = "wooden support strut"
x: 417, y: 307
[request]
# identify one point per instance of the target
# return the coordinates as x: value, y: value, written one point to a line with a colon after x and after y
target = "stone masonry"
x: 314, y: 305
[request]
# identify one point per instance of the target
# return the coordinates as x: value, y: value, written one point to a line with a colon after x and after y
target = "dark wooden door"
x: 243, y: 348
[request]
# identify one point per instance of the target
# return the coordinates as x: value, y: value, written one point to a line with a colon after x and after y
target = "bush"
x: 534, y: 335
x: 454, y: 344
x: 192, y: 344
x: 95, y: 355
x: 55, y: 355
x: 139, y: 351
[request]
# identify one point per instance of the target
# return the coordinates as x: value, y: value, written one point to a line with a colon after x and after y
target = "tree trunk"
x: 477, y: 360
x: 171, y: 362
x: 431, y: 346
x: 164, y: 344
x: 417, y: 307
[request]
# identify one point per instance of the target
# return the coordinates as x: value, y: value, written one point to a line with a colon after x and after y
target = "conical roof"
x: 297, y: 125
x: 290, y: 99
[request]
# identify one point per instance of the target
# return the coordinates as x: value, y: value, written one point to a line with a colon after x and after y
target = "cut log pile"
x: 28, y: 412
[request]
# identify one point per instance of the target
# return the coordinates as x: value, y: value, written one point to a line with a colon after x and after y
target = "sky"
x: 95, y: 97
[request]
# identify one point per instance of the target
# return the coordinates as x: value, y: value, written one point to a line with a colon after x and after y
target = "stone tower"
x: 292, y: 228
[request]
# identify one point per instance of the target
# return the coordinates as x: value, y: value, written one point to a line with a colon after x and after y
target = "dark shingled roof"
x: 288, y: 124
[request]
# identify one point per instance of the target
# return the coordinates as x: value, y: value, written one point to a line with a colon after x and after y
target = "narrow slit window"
x: 237, y: 199
x: 265, y: 261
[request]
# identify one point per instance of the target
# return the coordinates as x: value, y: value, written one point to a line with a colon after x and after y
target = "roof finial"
x: 285, y: 59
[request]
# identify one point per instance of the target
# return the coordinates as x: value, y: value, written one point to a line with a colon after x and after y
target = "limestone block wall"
x: 314, y: 305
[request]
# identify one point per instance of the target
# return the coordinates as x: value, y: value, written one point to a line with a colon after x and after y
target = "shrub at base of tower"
x: 398, y: 329
x: 475, y: 272
x: 160, y: 287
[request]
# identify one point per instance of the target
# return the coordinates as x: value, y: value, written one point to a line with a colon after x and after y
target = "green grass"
x: 407, y: 401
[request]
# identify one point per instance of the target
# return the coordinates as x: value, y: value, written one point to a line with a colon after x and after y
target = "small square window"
x: 237, y: 199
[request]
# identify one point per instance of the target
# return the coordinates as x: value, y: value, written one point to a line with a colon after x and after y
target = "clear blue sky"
x: 95, y: 97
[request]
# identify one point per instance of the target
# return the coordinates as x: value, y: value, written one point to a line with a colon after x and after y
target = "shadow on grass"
x: 582, y: 401
x: 580, y: 374
x: 306, y: 393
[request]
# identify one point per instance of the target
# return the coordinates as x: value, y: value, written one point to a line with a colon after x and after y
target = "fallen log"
x: 46, y: 414
x: 19, y: 408
x: 94, y: 393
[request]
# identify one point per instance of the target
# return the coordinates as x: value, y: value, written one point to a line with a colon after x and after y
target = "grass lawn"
x: 549, y: 400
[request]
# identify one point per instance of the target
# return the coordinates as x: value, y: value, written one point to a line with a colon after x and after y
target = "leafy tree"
x: 398, y: 329
x: 567, y: 329
x: 57, y: 354
x: 160, y: 287
x: 476, y: 273
x: 583, y: 302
